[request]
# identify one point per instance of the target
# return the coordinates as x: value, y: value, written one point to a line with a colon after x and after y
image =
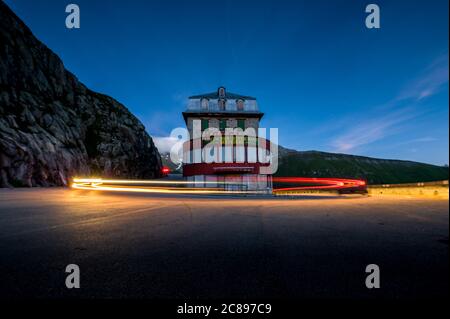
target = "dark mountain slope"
x: 375, y: 171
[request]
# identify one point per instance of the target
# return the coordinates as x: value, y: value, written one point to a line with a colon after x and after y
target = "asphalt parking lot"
x: 148, y: 246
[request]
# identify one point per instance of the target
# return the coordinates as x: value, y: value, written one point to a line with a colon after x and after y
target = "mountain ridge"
x: 375, y: 170
x: 314, y: 163
x: 289, y: 150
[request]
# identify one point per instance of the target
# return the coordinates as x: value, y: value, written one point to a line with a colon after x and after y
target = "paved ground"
x: 178, y: 247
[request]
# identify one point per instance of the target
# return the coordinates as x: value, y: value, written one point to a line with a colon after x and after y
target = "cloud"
x: 430, y: 82
x: 392, y: 116
x: 421, y: 140
x: 369, y: 131
x: 165, y: 144
x: 160, y: 120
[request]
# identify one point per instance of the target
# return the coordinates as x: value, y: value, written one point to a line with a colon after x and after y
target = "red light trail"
x: 319, y: 183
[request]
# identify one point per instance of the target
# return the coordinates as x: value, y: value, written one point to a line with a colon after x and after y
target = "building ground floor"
x: 233, y: 182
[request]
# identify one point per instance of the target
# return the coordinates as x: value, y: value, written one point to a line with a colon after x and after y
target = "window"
x: 241, y: 124
x: 222, y: 103
x: 240, y: 105
x: 204, y: 103
x: 205, y: 124
x: 223, y: 124
x: 221, y: 92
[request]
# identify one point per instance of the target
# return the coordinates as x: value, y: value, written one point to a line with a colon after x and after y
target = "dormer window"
x: 221, y: 92
x: 204, y: 103
x: 222, y: 104
x: 240, y: 104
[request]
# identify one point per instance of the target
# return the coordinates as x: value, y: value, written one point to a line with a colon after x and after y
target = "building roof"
x: 228, y: 95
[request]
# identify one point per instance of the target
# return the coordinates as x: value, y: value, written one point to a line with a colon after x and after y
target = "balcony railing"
x: 213, y: 106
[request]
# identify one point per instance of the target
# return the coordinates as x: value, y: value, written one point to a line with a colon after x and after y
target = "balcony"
x: 195, y: 105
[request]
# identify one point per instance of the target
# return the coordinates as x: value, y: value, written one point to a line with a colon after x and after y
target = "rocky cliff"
x: 52, y: 127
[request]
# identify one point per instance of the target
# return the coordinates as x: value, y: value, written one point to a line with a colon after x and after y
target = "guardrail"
x: 437, y: 189
x: 420, y: 184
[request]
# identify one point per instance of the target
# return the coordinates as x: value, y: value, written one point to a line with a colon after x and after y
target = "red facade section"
x: 221, y: 168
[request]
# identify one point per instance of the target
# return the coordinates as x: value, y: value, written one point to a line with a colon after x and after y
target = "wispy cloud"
x: 165, y: 144
x: 412, y: 143
x: 421, y: 140
x: 372, y: 130
x: 389, y: 118
x: 430, y: 82
x: 167, y: 117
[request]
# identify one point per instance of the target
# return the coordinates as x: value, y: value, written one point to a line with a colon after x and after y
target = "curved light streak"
x: 319, y: 183
x: 99, y: 184
x: 150, y: 186
x: 131, y: 181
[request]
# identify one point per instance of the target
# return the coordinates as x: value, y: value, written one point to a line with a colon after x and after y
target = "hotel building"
x: 232, y: 162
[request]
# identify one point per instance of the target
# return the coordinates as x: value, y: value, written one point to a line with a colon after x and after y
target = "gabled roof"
x: 228, y: 95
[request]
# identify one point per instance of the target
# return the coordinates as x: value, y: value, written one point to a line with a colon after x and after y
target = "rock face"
x: 53, y: 128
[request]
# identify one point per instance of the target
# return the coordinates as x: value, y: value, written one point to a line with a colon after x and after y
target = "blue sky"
x: 325, y: 80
